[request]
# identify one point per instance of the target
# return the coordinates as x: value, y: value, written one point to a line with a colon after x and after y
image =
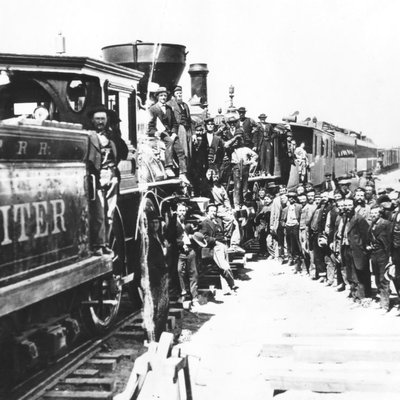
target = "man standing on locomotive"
x: 161, y: 115
x: 104, y: 155
x: 182, y: 116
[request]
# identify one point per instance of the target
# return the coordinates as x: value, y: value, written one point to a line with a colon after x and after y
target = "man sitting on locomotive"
x: 106, y: 149
x: 162, y: 119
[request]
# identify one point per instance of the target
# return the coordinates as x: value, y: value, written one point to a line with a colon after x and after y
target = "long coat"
x: 212, y: 231
x: 357, y: 235
x: 262, y: 141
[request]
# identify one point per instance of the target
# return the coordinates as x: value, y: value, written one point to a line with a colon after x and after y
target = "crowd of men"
x: 340, y: 235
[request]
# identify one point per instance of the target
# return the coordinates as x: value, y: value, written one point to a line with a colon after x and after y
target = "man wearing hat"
x: 105, y: 152
x: 262, y: 140
x: 292, y: 231
x: 163, y: 121
x: 182, y: 116
x: 284, y: 136
x: 329, y: 185
x: 214, y: 145
x: 248, y: 125
x: 395, y: 244
x: 198, y: 164
x: 379, y: 243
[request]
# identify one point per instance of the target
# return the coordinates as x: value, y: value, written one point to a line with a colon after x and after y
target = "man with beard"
x: 214, y: 145
x: 395, y: 245
x: 292, y: 231
x: 370, y: 197
x: 304, y: 226
x: 330, y: 226
x: 379, y: 247
x: 106, y: 150
x: 183, y: 119
x: 225, y: 212
x: 248, y: 126
x: 356, y: 257
x: 198, y: 163
x: 262, y: 221
x: 318, y: 238
x: 336, y: 247
x: 360, y: 206
x: 281, y: 230
x: 263, y: 145
x: 211, y: 228
x: 162, y: 119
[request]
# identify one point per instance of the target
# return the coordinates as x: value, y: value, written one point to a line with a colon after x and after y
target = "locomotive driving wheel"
x: 100, y: 308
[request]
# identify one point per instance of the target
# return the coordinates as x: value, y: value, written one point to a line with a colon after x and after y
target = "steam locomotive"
x: 52, y: 286
x: 47, y: 269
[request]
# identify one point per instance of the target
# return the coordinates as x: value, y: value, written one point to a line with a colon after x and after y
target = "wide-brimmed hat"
x: 98, y: 108
x: 199, y: 238
x: 262, y: 116
x: 209, y: 119
x: 242, y: 109
x: 160, y: 90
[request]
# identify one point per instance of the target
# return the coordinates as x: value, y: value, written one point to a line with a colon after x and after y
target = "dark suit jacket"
x: 212, y: 231
x: 168, y: 120
x: 379, y: 236
x: 215, y: 151
x: 262, y: 134
x: 176, y: 108
x: 249, y: 126
x: 357, y: 236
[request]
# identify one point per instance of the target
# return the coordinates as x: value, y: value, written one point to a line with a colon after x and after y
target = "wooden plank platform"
x: 332, y: 362
x: 81, y: 395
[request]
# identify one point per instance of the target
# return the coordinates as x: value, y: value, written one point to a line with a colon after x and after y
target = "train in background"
x: 338, y: 151
x: 389, y: 158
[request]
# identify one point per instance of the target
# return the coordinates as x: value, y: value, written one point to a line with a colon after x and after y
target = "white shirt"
x: 210, y: 137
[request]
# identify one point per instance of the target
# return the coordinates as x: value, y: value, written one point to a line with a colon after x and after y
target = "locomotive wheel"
x: 100, y: 308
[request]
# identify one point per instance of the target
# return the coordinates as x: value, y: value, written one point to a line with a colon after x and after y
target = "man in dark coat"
x: 183, y: 119
x: 212, y: 229
x: 248, y: 126
x: 357, y: 235
x: 214, y: 145
x: 162, y: 119
x: 379, y: 242
x: 262, y: 141
x: 106, y: 149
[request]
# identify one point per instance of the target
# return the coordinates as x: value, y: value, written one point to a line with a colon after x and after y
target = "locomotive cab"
x: 46, y: 189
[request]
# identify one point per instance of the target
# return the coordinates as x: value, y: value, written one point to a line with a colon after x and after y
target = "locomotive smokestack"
x: 198, y: 75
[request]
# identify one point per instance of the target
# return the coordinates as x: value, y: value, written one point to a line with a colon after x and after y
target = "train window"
x: 322, y: 152
x: 76, y: 95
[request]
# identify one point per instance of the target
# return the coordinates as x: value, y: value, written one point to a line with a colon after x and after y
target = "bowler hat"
x: 177, y: 89
x: 209, y: 119
x: 242, y: 109
x: 262, y: 116
x: 96, y: 109
x: 199, y: 238
x: 160, y: 90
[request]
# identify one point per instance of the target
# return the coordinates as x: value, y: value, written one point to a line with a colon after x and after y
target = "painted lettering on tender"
x: 22, y: 145
x: 43, y: 149
x: 4, y: 212
x: 39, y: 216
x: 19, y: 210
x: 42, y: 228
x: 58, y: 215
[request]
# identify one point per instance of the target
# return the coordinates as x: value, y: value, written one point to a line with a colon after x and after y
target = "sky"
x: 337, y: 60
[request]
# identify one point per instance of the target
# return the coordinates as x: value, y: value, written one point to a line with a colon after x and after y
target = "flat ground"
x: 228, y: 334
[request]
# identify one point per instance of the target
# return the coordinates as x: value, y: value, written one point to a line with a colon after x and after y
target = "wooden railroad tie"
x: 162, y: 372
x: 332, y: 362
